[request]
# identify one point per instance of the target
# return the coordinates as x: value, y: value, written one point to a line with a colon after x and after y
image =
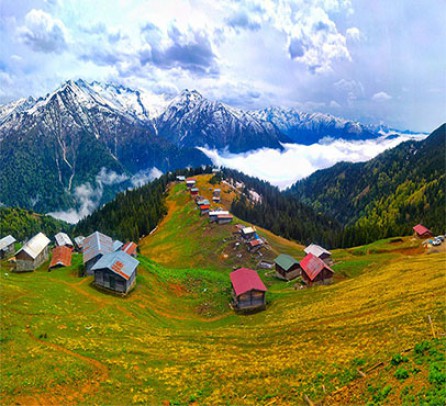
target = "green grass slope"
x: 174, y: 340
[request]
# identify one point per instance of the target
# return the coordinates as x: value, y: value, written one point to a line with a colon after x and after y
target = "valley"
x: 175, y: 340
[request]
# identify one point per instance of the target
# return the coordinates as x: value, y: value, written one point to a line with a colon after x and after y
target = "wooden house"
x: 315, y: 271
x: 61, y: 257
x: 202, y: 202
x: 287, y: 268
x: 79, y: 242
x: 224, y: 218
x: 7, y: 246
x: 216, y: 199
x: 248, y: 233
x: 190, y: 183
x: 215, y: 213
x: 216, y: 192
x: 204, y: 209
x: 255, y: 244
x: 62, y: 240
x: 194, y: 191
x: 116, y: 272
x: 422, y: 231
x: 95, y: 246
x: 319, y: 252
x: 248, y: 290
x: 33, y: 254
x: 130, y: 248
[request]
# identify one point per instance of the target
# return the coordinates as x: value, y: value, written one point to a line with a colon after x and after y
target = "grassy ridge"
x: 175, y: 340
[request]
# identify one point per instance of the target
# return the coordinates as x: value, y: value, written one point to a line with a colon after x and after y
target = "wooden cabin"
x: 216, y: 199
x: 181, y: 178
x: 61, y: 257
x: 320, y: 253
x: 79, y: 242
x: 215, y: 213
x: 315, y: 271
x: 130, y: 248
x: 116, y: 272
x: 194, y: 191
x: 202, y: 202
x: 248, y: 233
x: 287, y: 268
x: 95, y: 246
x: 62, y: 240
x: 422, y: 231
x: 204, y: 209
x: 33, y: 254
x: 190, y: 183
x: 7, y: 246
x: 248, y: 290
x: 216, y: 192
x: 224, y: 218
x: 255, y: 244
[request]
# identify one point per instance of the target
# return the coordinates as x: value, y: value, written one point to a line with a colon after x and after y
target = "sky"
x: 374, y: 61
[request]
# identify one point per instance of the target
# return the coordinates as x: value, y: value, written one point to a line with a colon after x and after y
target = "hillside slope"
x: 68, y: 343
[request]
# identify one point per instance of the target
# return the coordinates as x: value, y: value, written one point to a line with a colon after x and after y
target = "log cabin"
x: 287, y: 268
x: 33, y: 254
x: 94, y: 247
x: 248, y: 290
x: 7, y: 246
x: 116, y: 272
x: 315, y: 271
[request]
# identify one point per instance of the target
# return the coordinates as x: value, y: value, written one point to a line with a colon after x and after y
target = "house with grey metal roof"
x: 62, y: 240
x: 287, y: 267
x: 320, y: 253
x: 95, y: 246
x: 79, y: 240
x: 7, y: 246
x: 117, y: 245
x: 33, y: 254
x: 115, y: 271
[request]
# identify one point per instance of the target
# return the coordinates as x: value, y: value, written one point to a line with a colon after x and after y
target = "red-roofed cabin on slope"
x: 204, y: 209
x: 248, y: 290
x: 315, y: 271
x: 194, y: 191
x: 130, y: 248
x: 422, y: 232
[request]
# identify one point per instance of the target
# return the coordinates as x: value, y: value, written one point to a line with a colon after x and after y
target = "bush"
x: 437, y: 373
x: 422, y: 347
x: 398, y: 359
x: 401, y: 374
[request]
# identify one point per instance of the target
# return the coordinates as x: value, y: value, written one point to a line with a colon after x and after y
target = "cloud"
x: 242, y: 20
x: 146, y: 176
x: 353, y: 34
x: 43, y: 33
x: 381, y: 97
x: 283, y: 168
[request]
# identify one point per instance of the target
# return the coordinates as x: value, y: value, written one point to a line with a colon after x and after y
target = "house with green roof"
x: 287, y: 268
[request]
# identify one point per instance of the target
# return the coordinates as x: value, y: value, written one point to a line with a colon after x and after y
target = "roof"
x: 225, y: 216
x: 313, y: 266
x: 118, y: 262
x: 255, y: 243
x: 191, y: 180
x: 285, y: 261
x: 420, y: 229
x: 203, y: 201
x: 181, y: 177
x: 217, y: 190
x: 79, y: 240
x: 130, y: 248
x: 35, y: 245
x: 244, y: 280
x: 205, y: 207
x: 195, y: 189
x: 117, y: 245
x: 248, y: 230
x: 6, y: 241
x: 63, y: 239
x: 61, y: 256
x: 96, y: 243
x: 316, y: 250
x: 218, y: 212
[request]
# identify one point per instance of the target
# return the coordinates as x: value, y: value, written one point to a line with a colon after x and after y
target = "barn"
x: 62, y: 240
x: 422, y: 231
x: 61, y: 257
x: 116, y: 272
x: 7, y: 246
x: 94, y: 247
x: 248, y: 290
x: 287, y: 268
x: 319, y: 252
x: 33, y: 254
x: 130, y: 248
x: 315, y: 271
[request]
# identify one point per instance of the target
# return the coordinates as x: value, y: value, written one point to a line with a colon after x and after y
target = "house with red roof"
x: 422, y: 231
x: 130, y: 248
x: 314, y: 270
x: 248, y: 290
x: 61, y: 257
x: 204, y: 209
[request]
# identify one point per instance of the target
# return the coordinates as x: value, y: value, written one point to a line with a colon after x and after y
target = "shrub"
x: 401, y: 374
x: 398, y: 359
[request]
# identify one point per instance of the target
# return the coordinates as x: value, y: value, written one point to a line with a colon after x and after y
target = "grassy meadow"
x: 365, y: 339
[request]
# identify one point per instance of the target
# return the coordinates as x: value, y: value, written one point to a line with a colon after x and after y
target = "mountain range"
x: 101, y: 137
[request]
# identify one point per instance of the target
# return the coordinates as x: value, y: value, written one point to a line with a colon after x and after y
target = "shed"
x: 115, y: 271
x: 79, y: 242
x: 130, y: 248
x: 248, y: 232
x: 422, y: 231
x: 214, y: 214
x: 94, y: 247
x: 62, y: 240
x: 319, y: 252
x: 61, y: 257
x: 7, y: 246
x: 224, y: 218
x: 314, y: 270
x: 117, y: 245
x: 287, y: 267
x: 33, y: 254
x: 248, y: 290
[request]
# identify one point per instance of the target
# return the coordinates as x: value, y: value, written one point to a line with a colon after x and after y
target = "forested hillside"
x: 385, y: 196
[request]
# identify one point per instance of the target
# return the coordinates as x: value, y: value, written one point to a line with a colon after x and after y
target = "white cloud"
x: 146, y: 176
x: 381, y: 97
x: 353, y: 34
x: 283, y: 168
